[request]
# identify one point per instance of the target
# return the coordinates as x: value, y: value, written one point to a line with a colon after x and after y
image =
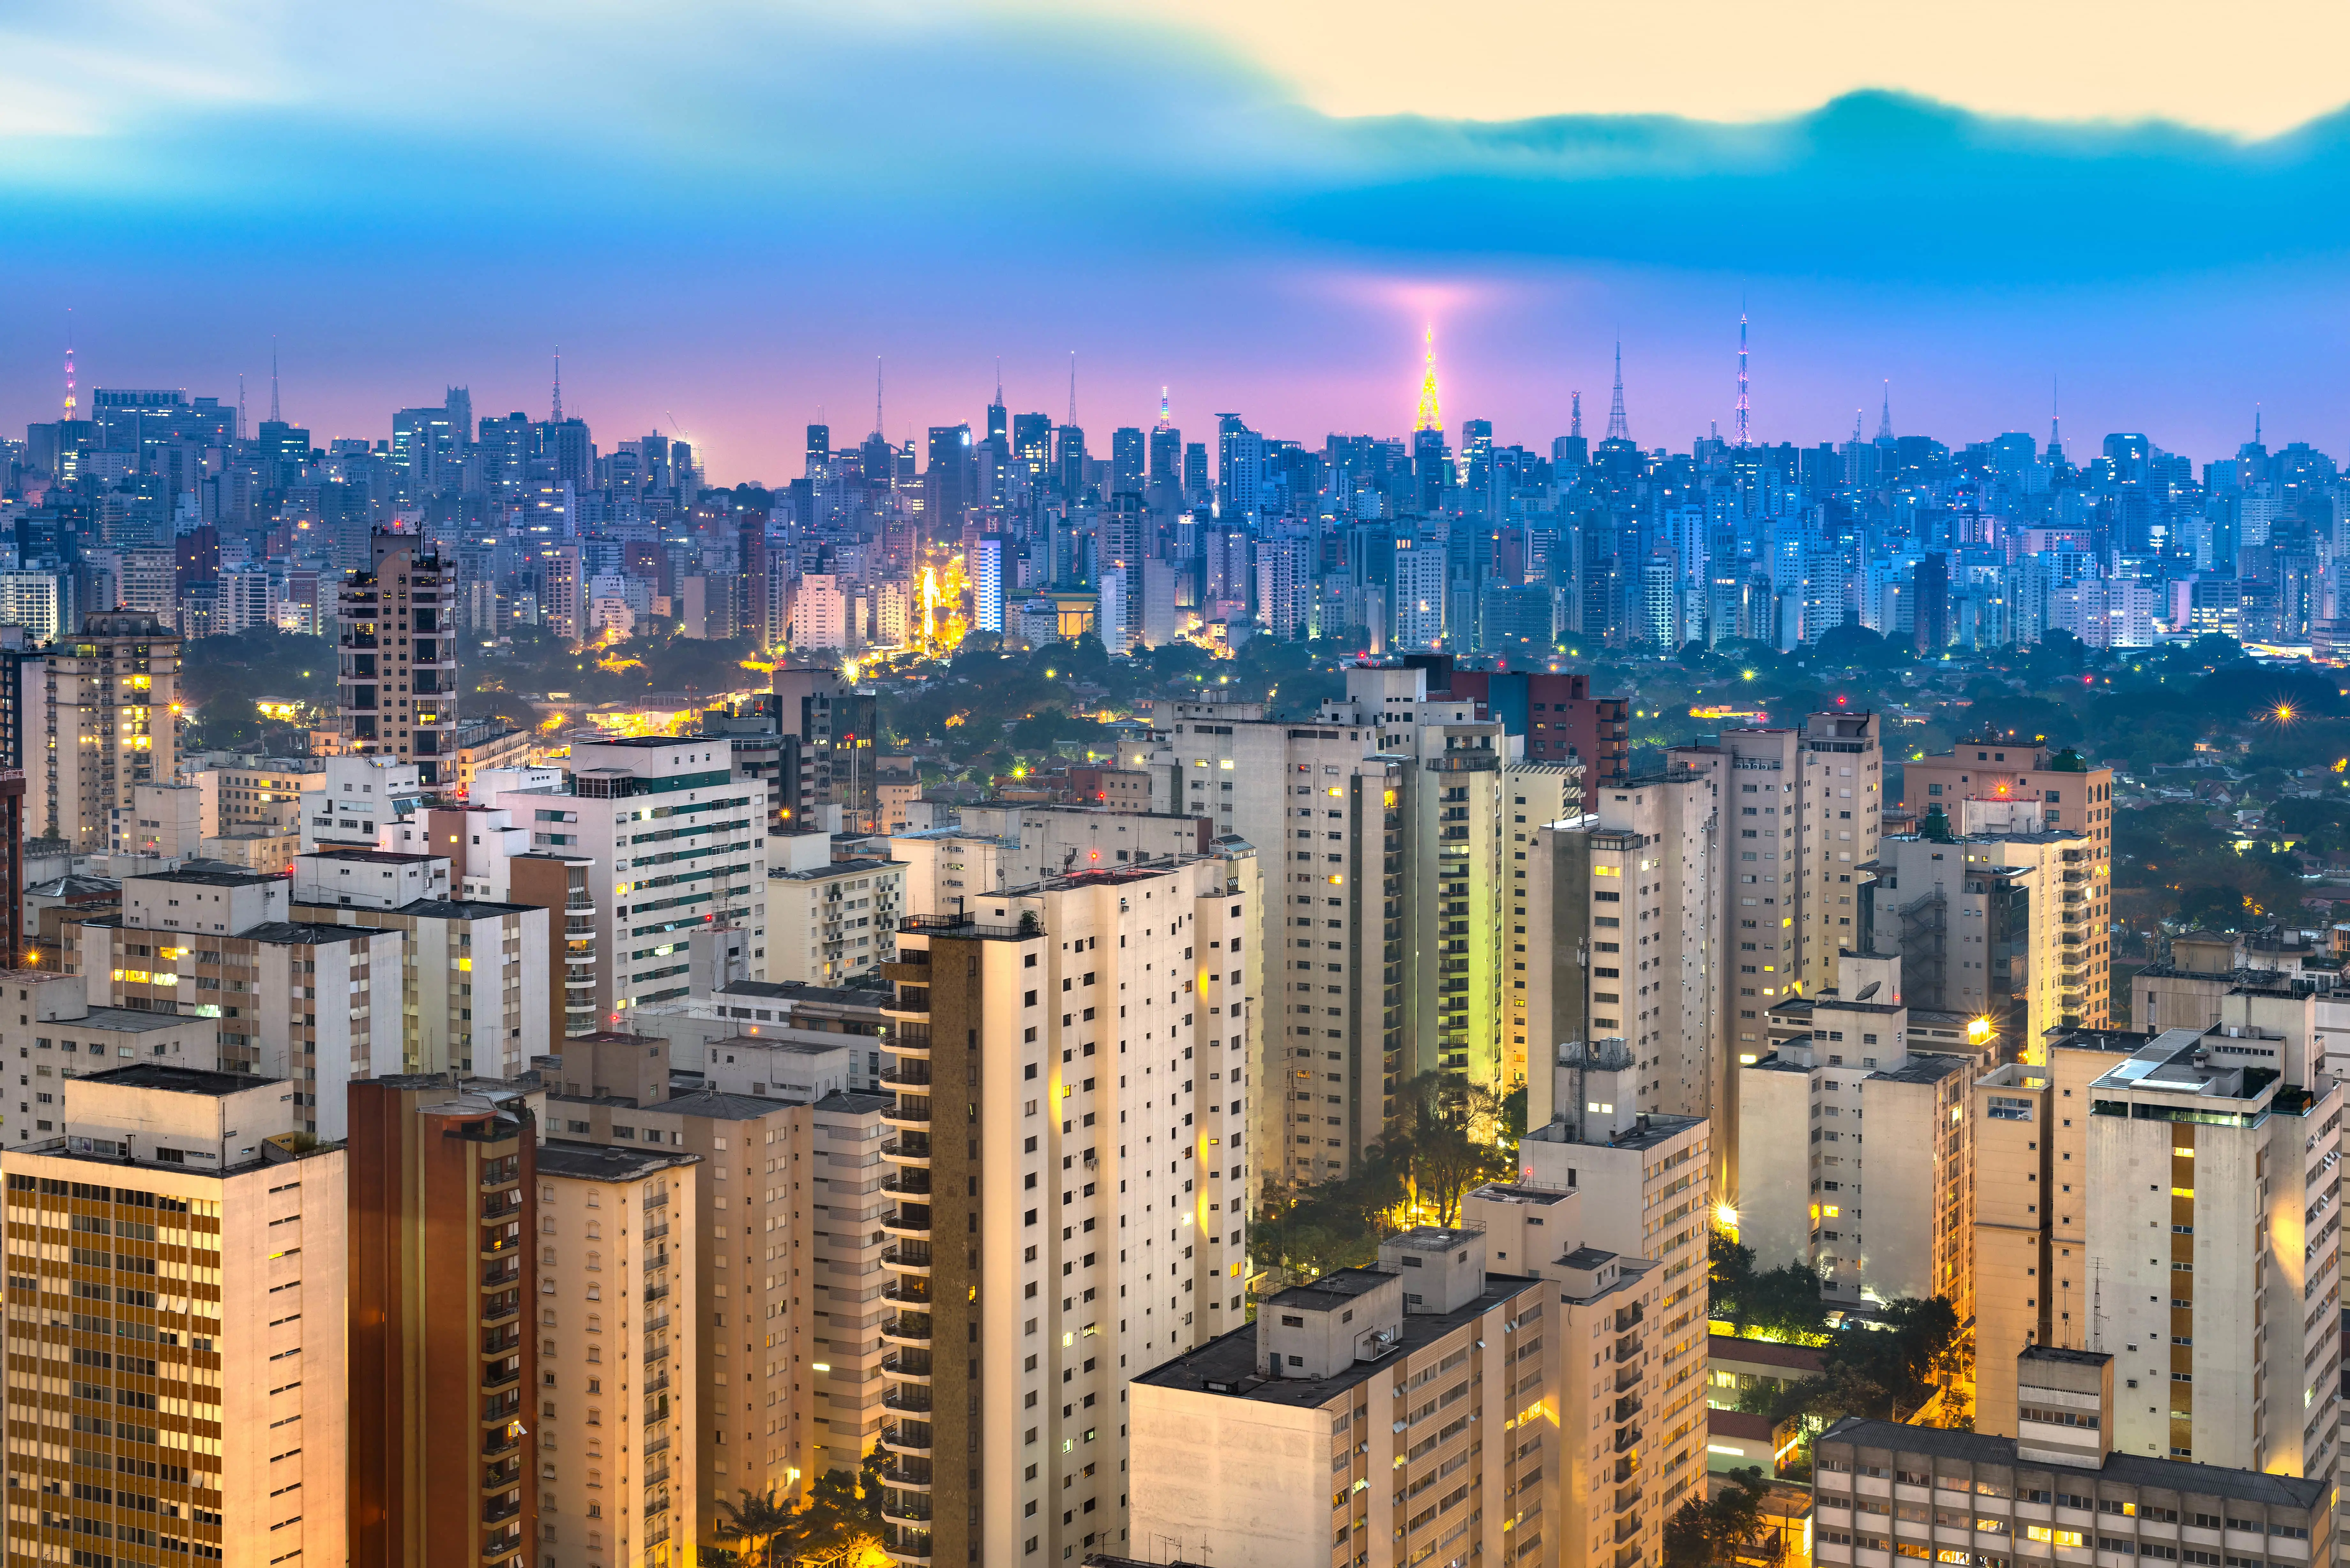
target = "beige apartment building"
x: 1879, y: 1220
x: 175, y: 1284
x: 107, y: 721
x: 621, y: 1326
x: 1387, y: 1415
x: 2170, y: 1202
x: 2075, y: 797
x: 1070, y: 1174
x: 1624, y: 938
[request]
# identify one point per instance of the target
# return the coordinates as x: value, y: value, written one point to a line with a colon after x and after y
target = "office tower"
x: 1624, y: 938
x: 2052, y: 1485
x: 830, y: 919
x: 428, y: 446
x: 1239, y: 469
x: 178, y: 1381
x: 1069, y: 463
x: 564, y: 453
x: 820, y: 468
x: 2077, y: 797
x: 14, y: 700
x: 110, y: 702
x: 702, y: 871
x: 1395, y: 1390
x: 1431, y: 464
x: 1976, y: 912
x: 1417, y: 578
x: 396, y: 626
x: 2160, y: 1210
x: 946, y: 476
x: 1125, y: 461
x: 563, y: 603
x: 836, y: 727
x: 1800, y: 813
x: 987, y: 581
x: 1166, y: 464
x: 442, y: 1231
x: 619, y: 1474
x: 1532, y: 794
x: 1196, y: 491
x: 295, y: 1002
x: 475, y: 983
x: 1895, y: 1221
x: 1046, y: 1187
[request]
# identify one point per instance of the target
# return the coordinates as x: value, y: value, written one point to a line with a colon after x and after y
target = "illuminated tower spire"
x: 876, y: 400
x: 70, y: 364
x: 556, y: 417
x: 1574, y: 415
x: 1073, y: 388
x: 1741, y: 379
x: 1430, y: 417
x: 1619, y: 427
x: 1885, y: 419
x: 2055, y: 425
x: 275, y: 417
x: 1166, y: 419
x: 240, y: 406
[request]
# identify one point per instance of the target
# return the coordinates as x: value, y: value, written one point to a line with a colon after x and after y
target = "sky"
x: 724, y: 215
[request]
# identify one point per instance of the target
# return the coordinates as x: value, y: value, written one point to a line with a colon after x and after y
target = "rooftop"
x: 209, y: 874
x: 1228, y: 1364
x: 833, y: 869
x: 180, y: 1080
x: 1652, y: 1129
x: 595, y: 1162
x: 2294, y: 1492
x: 303, y: 933
x: 369, y: 856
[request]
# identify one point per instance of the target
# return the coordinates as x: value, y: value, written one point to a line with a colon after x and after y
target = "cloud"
x: 728, y: 210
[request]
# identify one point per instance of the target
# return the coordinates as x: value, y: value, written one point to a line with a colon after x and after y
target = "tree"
x: 1728, y: 1528
x: 755, y: 1523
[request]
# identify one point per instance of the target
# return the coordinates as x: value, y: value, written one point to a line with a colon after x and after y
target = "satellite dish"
x: 1869, y: 991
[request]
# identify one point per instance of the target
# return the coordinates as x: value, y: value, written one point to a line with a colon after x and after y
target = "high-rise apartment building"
x: 176, y: 1285
x: 108, y: 724
x: 619, y: 1335
x: 1386, y: 1415
x: 2168, y: 1201
x: 1890, y: 1220
x: 396, y: 628
x: 443, y: 1360
x: 2075, y: 797
x: 1800, y: 814
x: 1071, y: 1187
x: 1980, y: 915
x: 685, y: 844
x: 1624, y: 938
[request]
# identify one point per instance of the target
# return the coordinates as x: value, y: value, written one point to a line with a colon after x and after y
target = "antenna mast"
x: 1619, y: 427
x: 275, y: 416
x: 1741, y: 379
x: 70, y: 364
x: 1073, y: 389
x: 557, y: 418
x: 1574, y: 414
x: 876, y: 400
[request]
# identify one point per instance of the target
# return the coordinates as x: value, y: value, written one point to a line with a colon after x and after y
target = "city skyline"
x: 742, y: 262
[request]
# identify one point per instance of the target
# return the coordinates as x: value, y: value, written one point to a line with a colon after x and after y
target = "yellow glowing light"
x: 2283, y: 713
x: 1977, y: 1031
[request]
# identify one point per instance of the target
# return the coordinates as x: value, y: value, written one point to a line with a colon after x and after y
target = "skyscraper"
x: 111, y: 723
x: 396, y: 627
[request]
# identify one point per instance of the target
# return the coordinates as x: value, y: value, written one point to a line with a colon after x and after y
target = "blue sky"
x: 722, y: 215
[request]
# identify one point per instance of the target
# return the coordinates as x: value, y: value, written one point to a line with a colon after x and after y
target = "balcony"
x: 907, y: 1438
x: 907, y: 1041
x: 913, y: 1148
x: 908, y: 1258
x: 915, y: 1073
x: 913, y: 1365
x: 908, y: 1182
x: 503, y: 1439
x: 502, y: 1274
x: 495, y: 1377
x: 910, y: 1399
x: 909, y: 1223
x: 907, y: 1545
x: 913, y: 1509
x: 914, y: 1473
x: 908, y: 1329
x: 498, y: 1205
x: 502, y: 1476
x: 499, y: 1511
x: 910, y: 1114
